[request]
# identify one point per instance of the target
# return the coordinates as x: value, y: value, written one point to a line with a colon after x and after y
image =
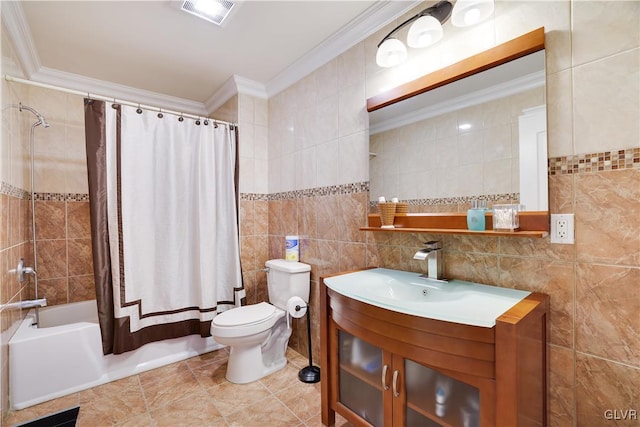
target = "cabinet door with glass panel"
x: 380, y: 388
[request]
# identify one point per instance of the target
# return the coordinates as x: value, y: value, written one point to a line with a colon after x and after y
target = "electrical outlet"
x: 562, y: 230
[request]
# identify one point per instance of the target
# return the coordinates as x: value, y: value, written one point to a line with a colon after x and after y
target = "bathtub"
x: 64, y: 355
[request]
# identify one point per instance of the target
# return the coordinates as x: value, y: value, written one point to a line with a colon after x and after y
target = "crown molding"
x: 250, y: 87
x: 233, y: 86
x: 88, y: 85
x: 222, y: 95
x: 19, y: 33
x: 370, y: 21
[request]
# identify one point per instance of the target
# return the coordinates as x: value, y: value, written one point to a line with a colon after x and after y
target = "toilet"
x: 258, y: 334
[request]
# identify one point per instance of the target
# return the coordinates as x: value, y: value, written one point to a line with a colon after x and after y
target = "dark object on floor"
x: 65, y: 418
x: 309, y: 374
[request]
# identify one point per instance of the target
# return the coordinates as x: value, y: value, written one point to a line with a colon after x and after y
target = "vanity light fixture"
x: 426, y: 27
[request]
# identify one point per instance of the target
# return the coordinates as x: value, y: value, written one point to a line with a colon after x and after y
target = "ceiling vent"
x: 215, y: 11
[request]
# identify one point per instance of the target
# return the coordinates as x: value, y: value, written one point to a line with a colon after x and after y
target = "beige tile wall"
x: 317, y: 138
x: 14, y: 214
x: 593, y: 95
x: 329, y: 241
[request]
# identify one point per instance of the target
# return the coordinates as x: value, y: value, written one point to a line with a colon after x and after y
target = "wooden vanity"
x: 383, y: 367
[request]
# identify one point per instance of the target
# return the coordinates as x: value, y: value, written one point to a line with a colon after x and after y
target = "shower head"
x: 41, y: 120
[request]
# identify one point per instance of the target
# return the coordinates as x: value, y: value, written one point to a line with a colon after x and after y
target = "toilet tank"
x: 287, y: 279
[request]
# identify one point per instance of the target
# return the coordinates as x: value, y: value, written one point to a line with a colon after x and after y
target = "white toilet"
x: 258, y: 334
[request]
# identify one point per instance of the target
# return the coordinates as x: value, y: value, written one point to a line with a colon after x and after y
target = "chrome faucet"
x: 432, y: 252
x: 42, y: 302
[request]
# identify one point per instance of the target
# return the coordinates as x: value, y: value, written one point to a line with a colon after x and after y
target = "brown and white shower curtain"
x: 164, y: 224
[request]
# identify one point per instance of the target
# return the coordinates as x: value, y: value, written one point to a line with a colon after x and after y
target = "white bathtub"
x: 64, y: 355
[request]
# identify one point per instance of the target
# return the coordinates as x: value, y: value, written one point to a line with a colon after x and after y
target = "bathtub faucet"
x: 22, y: 269
x: 42, y: 302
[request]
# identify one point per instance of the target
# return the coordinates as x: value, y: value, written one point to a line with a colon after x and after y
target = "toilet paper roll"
x: 296, y: 307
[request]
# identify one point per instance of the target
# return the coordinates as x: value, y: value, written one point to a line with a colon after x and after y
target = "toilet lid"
x: 245, y: 315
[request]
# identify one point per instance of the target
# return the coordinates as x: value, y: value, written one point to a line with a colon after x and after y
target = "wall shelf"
x: 532, y: 224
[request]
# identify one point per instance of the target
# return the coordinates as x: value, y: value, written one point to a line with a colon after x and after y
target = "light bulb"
x: 470, y: 12
x: 390, y: 53
x: 426, y: 31
x: 472, y: 16
x: 209, y: 7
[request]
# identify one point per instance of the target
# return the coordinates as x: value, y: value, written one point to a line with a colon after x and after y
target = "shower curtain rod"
x: 112, y: 99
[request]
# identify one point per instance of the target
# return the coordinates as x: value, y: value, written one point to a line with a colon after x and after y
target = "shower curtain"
x: 164, y: 224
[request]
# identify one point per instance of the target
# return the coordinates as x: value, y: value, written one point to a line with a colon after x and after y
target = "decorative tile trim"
x: 254, y: 196
x: 506, y: 197
x: 595, y: 162
x: 61, y: 197
x: 357, y: 187
x: 10, y: 190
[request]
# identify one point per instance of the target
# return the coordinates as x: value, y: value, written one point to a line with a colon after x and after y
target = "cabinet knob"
x: 395, y: 383
x: 385, y: 386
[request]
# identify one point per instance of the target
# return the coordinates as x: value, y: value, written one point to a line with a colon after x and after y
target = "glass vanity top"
x: 406, y: 292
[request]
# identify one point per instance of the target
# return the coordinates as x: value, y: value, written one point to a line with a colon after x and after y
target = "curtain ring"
x: 181, y: 119
x: 160, y: 115
x: 198, y: 122
x: 139, y: 110
x: 114, y: 105
x: 215, y: 124
x: 206, y: 122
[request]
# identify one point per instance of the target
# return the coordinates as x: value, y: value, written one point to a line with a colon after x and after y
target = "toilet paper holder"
x: 297, y: 307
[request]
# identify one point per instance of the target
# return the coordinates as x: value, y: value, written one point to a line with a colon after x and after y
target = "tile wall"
x: 64, y: 267
x: 313, y: 138
x: 14, y: 214
x: 63, y: 244
x: 63, y: 231
x: 593, y: 98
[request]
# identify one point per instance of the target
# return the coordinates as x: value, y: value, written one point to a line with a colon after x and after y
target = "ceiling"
x: 155, y: 53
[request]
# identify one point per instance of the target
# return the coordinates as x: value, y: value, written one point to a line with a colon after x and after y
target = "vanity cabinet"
x: 386, y: 368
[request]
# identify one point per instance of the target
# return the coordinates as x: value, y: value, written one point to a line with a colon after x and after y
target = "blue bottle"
x: 475, y: 215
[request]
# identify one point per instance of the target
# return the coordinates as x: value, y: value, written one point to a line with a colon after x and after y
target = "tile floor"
x: 193, y: 392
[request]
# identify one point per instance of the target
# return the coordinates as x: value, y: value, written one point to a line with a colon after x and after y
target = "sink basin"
x: 402, y: 291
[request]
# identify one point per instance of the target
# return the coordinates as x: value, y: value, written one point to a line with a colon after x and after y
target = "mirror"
x: 481, y: 136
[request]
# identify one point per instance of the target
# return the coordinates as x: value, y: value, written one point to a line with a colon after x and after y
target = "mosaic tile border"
x: 595, y: 162
x: 19, y: 193
x: 61, y: 197
x: 9, y: 190
x: 254, y: 197
x: 356, y: 187
x: 506, y: 197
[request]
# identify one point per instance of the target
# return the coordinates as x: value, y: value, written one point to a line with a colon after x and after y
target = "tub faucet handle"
x: 21, y: 270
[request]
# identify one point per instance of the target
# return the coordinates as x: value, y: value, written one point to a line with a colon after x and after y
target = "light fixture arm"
x: 441, y: 11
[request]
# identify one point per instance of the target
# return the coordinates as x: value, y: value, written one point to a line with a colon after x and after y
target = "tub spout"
x: 42, y: 302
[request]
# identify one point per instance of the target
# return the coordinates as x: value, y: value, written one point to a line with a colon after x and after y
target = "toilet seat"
x: 246, y: 320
